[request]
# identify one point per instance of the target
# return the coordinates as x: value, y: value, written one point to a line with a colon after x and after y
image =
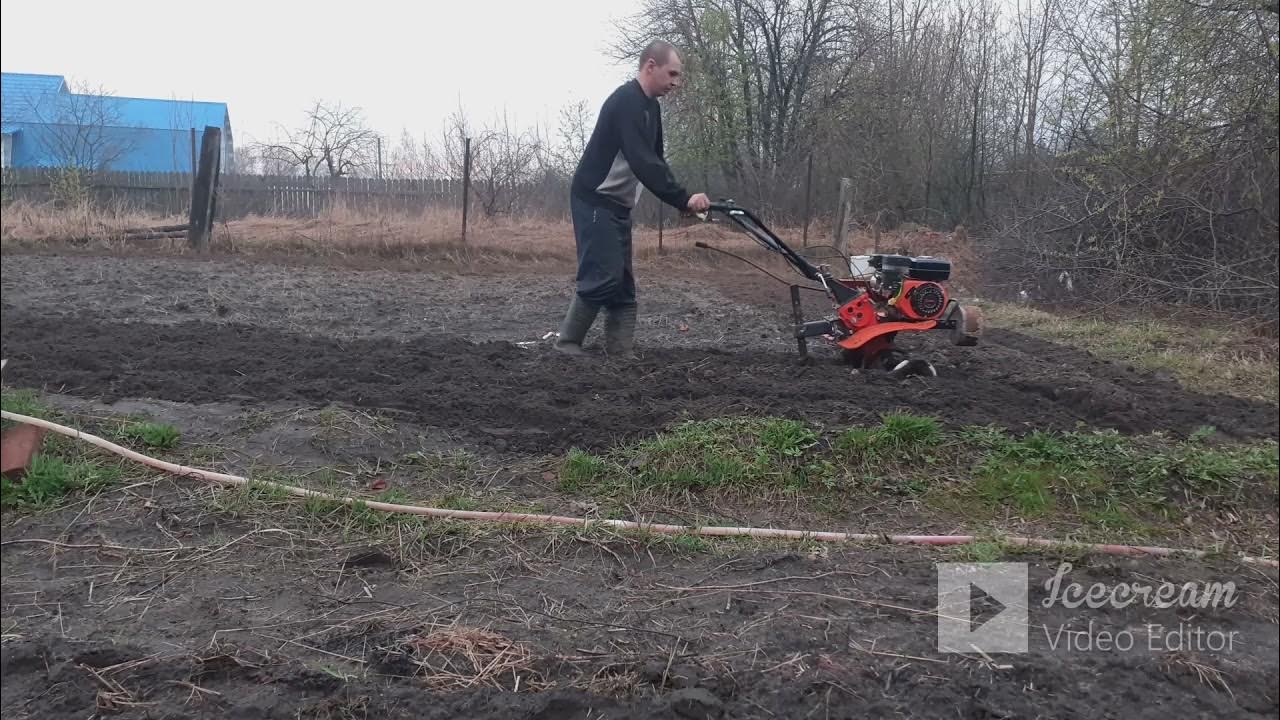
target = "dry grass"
x: 30, y: 224
x: 1223, y: 358
x: 435, y: 234
x: 460, y: 657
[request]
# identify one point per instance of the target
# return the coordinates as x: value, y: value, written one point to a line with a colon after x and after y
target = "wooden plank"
x: 202, y: 202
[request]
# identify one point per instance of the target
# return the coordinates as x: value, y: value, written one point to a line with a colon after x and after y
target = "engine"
x: 910, y: 286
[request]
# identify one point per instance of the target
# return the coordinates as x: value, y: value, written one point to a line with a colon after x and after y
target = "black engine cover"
x: 918, y: 268
x: 935, y: 269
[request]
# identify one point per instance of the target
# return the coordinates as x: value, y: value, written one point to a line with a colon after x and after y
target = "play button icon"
x: 983, y: 607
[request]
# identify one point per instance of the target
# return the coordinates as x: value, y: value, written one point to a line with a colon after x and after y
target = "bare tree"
x: 505, y: 162
x: 334, y: 141
x: 1130, y: 143
x: 765, y: 76
x: 560, y: 156
x: 81, y: 129
x: 255, y: 158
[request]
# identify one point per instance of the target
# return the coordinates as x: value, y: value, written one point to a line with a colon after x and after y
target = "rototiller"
x: 883, y: 296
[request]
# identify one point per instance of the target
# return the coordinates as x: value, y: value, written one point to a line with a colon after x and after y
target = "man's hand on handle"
x: 699, y: 203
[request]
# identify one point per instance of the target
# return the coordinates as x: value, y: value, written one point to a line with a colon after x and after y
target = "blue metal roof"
x: 165, y: 114
x: 29, y: 82
x: 24, y: 97
x: 21, y: 93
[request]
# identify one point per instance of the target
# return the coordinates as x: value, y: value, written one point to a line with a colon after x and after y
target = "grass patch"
x: 739, y: 453
x: 581, y: 469
x: 61, y: 466
x: 153, y: 435
x: 50, y: 478
x: 22, y: 402
x: 980, y: 551
x: 1212, y: 359
x: 1101, y: 479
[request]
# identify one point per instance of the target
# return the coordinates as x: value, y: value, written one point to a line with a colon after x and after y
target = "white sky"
x: 406, y: 68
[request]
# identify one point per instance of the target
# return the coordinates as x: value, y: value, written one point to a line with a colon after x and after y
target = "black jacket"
x: 625, y: 151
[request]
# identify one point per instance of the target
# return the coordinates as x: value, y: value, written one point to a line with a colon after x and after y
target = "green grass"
x: 60, y: 467
x: 740, y: 453
x: 50, y: 479
x: 153, y: 435
x: 1101, y: 479
x: 22, y: 402
x: 1207, y: 358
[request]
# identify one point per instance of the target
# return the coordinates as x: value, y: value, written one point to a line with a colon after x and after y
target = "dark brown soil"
x: 255, y: 613
x: 275, y: 624
x: 535, y: 399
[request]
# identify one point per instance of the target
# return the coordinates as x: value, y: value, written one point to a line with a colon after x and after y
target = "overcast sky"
x: 269, y: 59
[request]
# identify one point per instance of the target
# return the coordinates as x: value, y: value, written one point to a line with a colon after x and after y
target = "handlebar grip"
x: 700, y: 244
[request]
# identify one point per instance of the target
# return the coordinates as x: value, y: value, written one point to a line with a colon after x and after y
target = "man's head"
x: 661, y: 70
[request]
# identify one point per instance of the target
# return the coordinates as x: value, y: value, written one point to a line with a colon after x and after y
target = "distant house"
x: 47, y: 125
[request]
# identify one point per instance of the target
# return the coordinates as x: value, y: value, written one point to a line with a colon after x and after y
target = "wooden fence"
x: 238, y: 195
x: 169, y: 194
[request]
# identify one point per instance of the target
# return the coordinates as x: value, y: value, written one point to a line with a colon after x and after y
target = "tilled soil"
x: 253, y: 621
x: 255, y: 617
x: 535, y: 400
x: 310, y: 335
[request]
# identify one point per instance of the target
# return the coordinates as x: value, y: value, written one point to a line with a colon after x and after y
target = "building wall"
x: 122, y: 149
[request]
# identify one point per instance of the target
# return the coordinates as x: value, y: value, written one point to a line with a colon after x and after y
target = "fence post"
x: 661, y: 216
x: 192, y: 187
x: 808, y: 184
x: 466, y: 183
x: 202, y: 196
x: 843, y: 210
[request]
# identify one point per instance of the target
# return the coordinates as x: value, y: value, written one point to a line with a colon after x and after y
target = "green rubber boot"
x: 573, y: 330
x: 620, y: 332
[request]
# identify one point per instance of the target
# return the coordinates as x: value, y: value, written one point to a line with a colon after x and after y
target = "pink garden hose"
x: 532, y: 518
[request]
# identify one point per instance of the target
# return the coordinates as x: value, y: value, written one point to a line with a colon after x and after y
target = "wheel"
x: 968, y: 327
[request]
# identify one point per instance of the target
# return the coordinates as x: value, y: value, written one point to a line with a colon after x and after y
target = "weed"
x: 22, y: 402
x: 735, y: 453
x: 901, y: 435
x: 153, y: 435
x: 320, y: 506
x: 691, y: 543
x: 1025, y: 487
x: 456, y: 501
x: 979, y: 551
x: 50, y: 478
x: 453, y: 466
x: 242, y: 500
x: 581, y: 468
x: 1100, y: 478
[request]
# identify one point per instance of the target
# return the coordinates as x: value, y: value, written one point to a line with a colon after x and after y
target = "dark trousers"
x: 603, y: 237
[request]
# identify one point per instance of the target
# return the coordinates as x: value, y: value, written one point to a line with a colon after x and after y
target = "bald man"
x: 623, y: 156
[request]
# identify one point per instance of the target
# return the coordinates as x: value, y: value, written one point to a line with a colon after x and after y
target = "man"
x: 625, y: 152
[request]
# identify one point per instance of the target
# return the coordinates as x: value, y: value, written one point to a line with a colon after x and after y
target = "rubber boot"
x: 573, y: 330
x: 620, y: 332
